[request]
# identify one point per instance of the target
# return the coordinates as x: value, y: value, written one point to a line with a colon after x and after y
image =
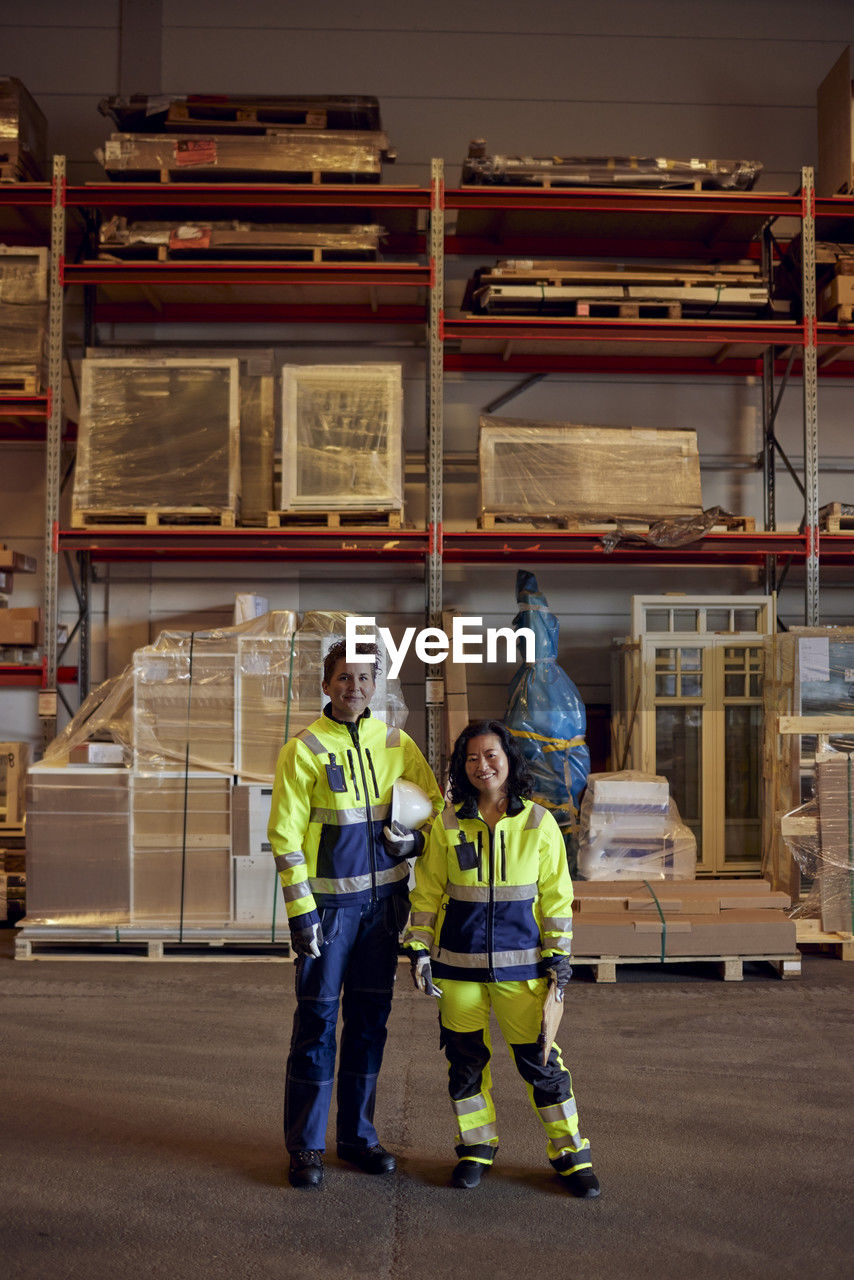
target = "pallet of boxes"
x: 23, y: 134
x: 808, y: 766
x: 147, y: 816
x: 637, y: 901
x: 23, y: 319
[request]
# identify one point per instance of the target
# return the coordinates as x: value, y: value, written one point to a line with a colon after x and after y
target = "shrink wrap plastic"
x: 607, y: 171
x: 117, y: 232
x: 342, y: 437
x: 158, y: 434
x: 630, y: 829
x: 23, y: 305
x: 222, y: 700
x: 285, y: 151
x: 824, y: 848
x: 545, y: 712
x: 23, y: 131
x: 530, y: 469
x: 150, y: 845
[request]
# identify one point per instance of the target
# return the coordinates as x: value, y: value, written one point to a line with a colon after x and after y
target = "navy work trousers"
x: 357, y: 965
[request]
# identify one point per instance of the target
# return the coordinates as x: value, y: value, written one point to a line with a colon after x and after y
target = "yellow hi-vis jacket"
x: 489, y: 906
x: 331, y: 800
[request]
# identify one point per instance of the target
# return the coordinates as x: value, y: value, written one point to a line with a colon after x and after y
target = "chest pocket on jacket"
x: 467, y: 855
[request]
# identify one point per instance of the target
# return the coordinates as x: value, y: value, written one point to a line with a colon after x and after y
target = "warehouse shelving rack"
x: 488, y: 220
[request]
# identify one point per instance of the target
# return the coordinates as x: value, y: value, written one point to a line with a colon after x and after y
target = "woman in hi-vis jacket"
x: 492, y: 924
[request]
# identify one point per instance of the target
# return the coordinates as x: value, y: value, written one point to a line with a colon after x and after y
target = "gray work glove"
x: 421, y: 975
x: 561, y: 968
x: 308, y: 941
x: 400, y: 842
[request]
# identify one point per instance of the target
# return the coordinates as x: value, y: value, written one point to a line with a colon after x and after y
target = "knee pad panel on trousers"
x: 467, y: 1055
x: 550, y: 1082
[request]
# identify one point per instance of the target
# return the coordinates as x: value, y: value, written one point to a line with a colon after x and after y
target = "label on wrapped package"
x: 813, y: 659
x: 189, y: 237
x: 112, y: 150
x: 195, y: 151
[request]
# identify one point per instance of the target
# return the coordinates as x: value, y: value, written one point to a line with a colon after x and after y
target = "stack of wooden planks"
x: 674, y: 920
x: 295, y: 139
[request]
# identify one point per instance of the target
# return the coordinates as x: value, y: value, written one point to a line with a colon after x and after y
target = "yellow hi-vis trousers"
x: 464, y: 1022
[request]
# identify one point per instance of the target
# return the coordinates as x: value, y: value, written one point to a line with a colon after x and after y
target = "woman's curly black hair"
x: 519, y: 781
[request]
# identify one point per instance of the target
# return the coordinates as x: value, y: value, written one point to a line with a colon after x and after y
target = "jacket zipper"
x: 480, y: 855
x: 503, y: 859
x: 369, y: 830
x: 490, y: 909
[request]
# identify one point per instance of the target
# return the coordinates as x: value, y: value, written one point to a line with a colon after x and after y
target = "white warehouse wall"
x: 735, y: 79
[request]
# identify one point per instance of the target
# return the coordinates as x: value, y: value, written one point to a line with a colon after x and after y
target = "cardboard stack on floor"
x: 14, y: 762
x: 636, y: 895
x: 149, y: 811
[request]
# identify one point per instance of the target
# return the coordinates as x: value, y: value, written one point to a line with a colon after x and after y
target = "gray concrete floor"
x: 142, y: 1110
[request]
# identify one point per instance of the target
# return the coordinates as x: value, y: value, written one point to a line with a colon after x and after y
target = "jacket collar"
x: 468, y: 808
x: 345, y: 724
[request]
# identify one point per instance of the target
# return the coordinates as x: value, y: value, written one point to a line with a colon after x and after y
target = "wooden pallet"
x: 729, y: 968
x: 597, y: 309
x: 362, y: 518
x: 189, y: 252
x: 226, y: 117
x: 531, y: 523
x: 200, y: 173
x: 836, y: 517
x: 129, y: 946
x: 24, y: 379
x: 811, y: 937
x: 152, y: 518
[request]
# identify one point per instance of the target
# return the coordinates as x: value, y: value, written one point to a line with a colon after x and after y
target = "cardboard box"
x: 256, y: 888
x: 14, y: 762
x: 16, y: 561
x: 250, y: 813
x: 20, y: 626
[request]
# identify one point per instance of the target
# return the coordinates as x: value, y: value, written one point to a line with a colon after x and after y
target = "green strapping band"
x: 663, y: 921
x: 186, y: 789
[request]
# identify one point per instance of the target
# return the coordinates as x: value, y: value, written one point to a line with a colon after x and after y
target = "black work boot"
x: 306, y: 1169
x: 583, y: 1183
x: 373, y: 1159
x: 467, y: 1174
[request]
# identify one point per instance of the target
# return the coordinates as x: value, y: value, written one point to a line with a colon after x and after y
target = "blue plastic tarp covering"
x: 545, y: 712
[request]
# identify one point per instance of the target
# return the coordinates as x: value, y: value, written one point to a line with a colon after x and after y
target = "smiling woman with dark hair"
x: 492, y: 921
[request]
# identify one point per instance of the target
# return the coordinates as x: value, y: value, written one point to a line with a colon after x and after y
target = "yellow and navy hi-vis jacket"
x: 489, y: 906
x: 331, y: 799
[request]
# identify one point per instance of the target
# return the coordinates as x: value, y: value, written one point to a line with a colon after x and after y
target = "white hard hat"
x: 410, y: 806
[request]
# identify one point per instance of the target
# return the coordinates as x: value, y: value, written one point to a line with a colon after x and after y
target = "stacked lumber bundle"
x: 627, y: 290
x: 606, y: 171
x: 175, y: 241
x: 681, y: 919
x: 23, y: 134
x: 295, y: 139
x: 23, y: 318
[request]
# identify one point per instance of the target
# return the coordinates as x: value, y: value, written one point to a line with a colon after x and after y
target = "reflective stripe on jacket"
x: 489, y: 906
x: 331, y: 800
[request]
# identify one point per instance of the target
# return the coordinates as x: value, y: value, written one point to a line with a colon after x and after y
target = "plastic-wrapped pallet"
x: 630, y: 829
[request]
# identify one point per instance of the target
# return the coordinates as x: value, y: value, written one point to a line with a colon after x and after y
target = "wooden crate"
x: 14, y: 762
x: 158, y: 438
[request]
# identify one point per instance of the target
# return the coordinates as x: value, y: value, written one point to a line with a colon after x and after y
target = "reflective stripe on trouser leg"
x: 464, y: 1035
x: 519, y: 1009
